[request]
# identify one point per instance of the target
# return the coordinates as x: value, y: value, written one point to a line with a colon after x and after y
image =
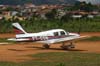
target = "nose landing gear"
x: 46, y: 46
x: 67, y: 47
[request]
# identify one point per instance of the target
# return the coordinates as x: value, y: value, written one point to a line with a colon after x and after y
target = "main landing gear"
x: 64, y: 46
x: 70, y: 46
x: 46, y: 46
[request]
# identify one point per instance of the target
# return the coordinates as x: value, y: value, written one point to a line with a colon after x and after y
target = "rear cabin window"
x: 56, y: 34
x: 67, y: 33
x: 62, y: 33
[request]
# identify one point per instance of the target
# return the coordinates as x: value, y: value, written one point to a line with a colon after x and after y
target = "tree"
x: 52, y: 14
x: 88, y: 7
x: 66, y: 17
x: 10, y: 9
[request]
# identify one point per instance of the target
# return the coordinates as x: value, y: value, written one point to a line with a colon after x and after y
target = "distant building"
x: 29, y: 5
x: 76, y: 16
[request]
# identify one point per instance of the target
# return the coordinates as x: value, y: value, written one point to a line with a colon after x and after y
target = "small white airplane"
x: 46, y: 37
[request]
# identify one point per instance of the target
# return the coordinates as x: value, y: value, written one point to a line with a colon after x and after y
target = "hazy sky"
x: 92, y: 1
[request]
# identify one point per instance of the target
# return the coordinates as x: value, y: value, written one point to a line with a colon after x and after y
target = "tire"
x: 46, y: 46
x: 67, y: 47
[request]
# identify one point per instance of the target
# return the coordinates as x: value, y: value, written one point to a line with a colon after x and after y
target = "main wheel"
x: 46, y: 46
x: 66, y: 47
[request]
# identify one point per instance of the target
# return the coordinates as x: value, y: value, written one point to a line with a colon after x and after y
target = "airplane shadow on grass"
x: 41, y: 48
x: 16, y: 50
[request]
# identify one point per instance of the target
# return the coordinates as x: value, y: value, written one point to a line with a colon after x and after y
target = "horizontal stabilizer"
x: 14, y: 39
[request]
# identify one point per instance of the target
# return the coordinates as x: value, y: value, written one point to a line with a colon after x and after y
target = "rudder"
x: 18, y: 29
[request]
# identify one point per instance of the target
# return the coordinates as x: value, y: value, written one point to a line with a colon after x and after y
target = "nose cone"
x: 74, y: 34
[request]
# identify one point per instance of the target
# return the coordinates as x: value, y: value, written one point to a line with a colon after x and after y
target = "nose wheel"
x: 46, y: 46
x: 67, y: 47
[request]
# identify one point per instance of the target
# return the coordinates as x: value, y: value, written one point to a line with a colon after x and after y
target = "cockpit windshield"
x: 62, y: 32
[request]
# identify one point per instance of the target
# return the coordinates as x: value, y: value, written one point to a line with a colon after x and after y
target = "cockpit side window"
x: 67, y: 33
x: 56, y: 34
x: 62, y: 33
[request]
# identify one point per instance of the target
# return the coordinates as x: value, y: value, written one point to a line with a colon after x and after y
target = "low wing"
x: 66, y: 39
x: 51, y: 41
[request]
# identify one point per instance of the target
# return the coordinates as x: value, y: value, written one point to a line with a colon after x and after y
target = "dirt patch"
x: 7, y: 35
x: 20, y: 52
x: 91, y: 33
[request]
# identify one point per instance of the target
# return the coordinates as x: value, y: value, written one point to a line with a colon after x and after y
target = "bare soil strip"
x: 20, y: 52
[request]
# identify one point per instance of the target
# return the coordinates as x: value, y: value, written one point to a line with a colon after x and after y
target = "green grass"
x: 72, y: 25
x: 5, y: 40
x: 60, y: 59
x: 70, y: 58
x: 94, y: 38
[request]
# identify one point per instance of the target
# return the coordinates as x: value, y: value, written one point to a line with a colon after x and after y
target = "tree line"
x: 36, y: 24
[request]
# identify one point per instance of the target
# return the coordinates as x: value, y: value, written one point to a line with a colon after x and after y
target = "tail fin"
x: 18, y: 29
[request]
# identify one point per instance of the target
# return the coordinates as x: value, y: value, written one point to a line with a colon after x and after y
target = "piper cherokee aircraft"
x: 46, y: 37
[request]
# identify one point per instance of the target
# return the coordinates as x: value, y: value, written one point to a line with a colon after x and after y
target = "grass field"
x: 73, y: 25
x: 93, y: 38
x: 5, y: 40
x: 68, y: 58
x: 60, y: 59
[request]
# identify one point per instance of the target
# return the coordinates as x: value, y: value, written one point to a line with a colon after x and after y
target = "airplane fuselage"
x: 50, y: 36
x: 45, y: 37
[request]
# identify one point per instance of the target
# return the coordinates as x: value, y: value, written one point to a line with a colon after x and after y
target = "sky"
x: 92, y: 1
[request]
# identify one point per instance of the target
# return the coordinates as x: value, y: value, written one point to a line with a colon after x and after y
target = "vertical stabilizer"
x: 18, y: 29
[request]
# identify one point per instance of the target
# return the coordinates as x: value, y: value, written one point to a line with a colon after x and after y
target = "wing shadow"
x: 41, y: 48
x: 15, y: 50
